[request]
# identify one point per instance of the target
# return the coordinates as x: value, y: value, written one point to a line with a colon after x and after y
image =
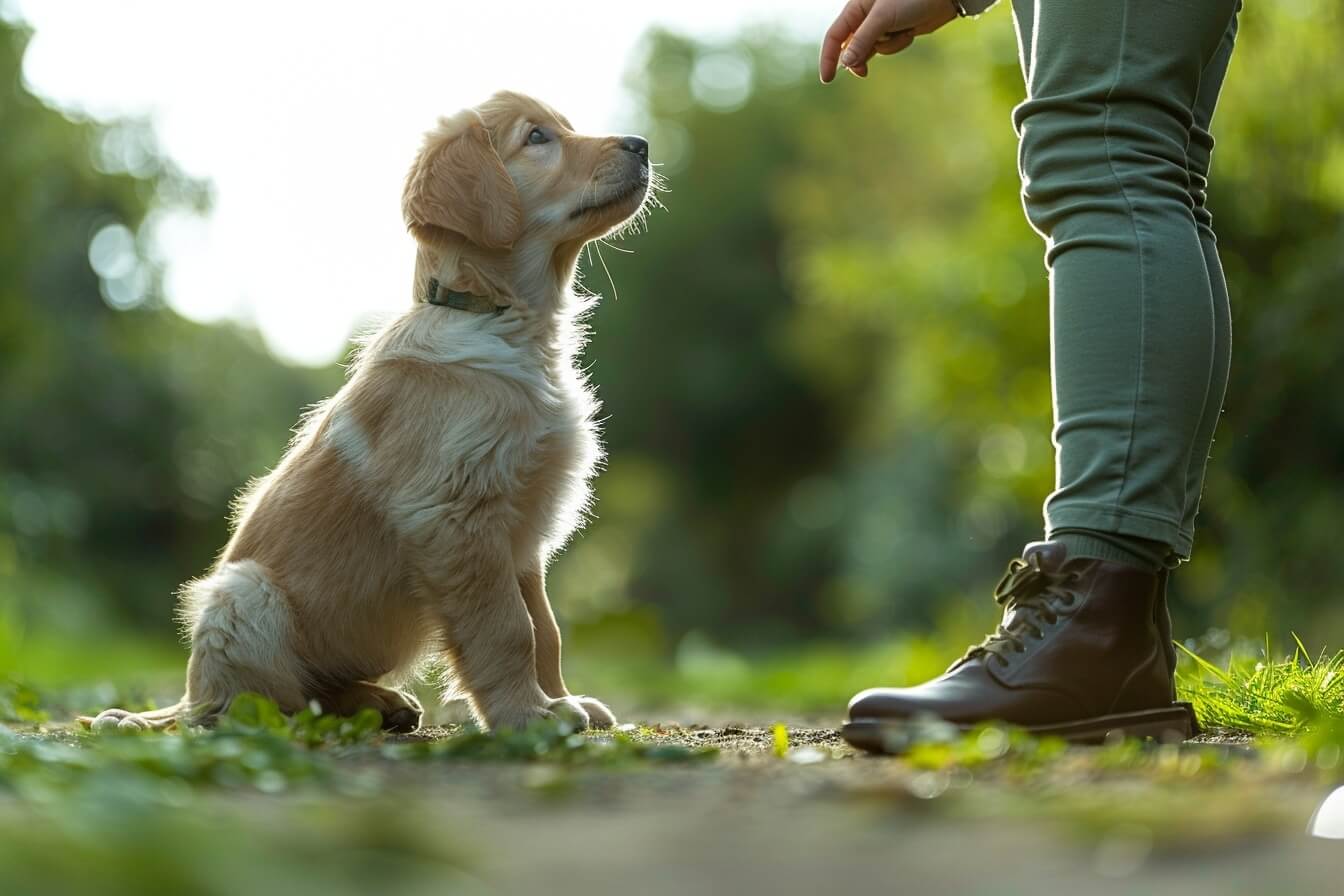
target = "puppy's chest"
x: 564, y: 440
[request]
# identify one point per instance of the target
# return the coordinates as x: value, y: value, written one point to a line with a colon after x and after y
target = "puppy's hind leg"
x: 241, y: 640
x: 154, y: 719
x: 401, y: 712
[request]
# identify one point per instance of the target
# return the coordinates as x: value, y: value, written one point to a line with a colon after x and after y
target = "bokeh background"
x: 825, y: 367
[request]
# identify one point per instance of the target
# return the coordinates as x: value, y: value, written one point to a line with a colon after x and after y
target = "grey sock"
x: 1127, y: 549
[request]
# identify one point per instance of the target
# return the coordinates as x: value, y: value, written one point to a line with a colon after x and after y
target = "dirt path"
x: 1201, y: 819
x: 828, y: 816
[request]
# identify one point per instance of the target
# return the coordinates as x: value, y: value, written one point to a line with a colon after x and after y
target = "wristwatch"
x: 972, y: 7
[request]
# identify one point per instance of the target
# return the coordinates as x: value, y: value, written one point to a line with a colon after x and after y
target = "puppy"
x: 414, y: 513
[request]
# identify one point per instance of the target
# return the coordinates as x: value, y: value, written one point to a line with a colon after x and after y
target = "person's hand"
x: 865, y: 28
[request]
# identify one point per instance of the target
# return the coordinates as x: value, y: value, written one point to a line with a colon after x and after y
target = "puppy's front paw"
x: 580, y: 712
x: 517, y: 717
x: 571, y: 710
x: 599, y: 716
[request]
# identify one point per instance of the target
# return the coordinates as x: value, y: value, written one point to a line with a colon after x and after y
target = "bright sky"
x: 304, y: 116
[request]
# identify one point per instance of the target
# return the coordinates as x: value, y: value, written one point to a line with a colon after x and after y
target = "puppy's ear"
x: 458, y: 183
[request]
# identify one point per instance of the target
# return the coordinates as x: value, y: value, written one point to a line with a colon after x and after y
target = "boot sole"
x: 1172, y: 723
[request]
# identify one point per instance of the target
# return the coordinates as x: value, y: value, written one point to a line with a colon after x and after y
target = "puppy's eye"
x: 537, y: 135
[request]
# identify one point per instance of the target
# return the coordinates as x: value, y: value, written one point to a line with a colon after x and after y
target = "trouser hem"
x: 1121, y: 521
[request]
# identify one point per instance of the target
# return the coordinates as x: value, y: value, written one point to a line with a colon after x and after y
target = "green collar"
x: 462, y: 301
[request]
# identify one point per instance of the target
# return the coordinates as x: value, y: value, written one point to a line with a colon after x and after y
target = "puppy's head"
x: 513, y: 167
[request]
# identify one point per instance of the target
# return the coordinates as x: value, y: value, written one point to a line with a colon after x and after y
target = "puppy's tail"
x: 241, y: 631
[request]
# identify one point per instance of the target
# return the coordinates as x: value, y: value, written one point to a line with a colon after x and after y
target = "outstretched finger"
x: 845, y: 24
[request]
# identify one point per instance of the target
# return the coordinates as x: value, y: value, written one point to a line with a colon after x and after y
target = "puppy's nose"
x: 637, y: 145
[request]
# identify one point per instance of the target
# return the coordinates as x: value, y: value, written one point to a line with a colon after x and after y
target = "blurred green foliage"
x: 826, y: 372
x: 19, y: 703
x: 119, y: 844
x: 126, y: 431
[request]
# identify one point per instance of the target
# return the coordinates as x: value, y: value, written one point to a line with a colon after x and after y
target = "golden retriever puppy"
x: 414, y: 513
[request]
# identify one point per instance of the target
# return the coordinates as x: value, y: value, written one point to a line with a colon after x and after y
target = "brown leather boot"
x: 1081, y: 652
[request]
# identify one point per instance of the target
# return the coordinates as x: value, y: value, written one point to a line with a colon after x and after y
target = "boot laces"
x: 1028, y: 594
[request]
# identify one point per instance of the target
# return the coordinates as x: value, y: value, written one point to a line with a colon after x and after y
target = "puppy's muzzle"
x: 637, y: 145
x: 632, y: 161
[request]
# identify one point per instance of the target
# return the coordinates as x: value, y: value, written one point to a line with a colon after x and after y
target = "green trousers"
x: 1114, y: 159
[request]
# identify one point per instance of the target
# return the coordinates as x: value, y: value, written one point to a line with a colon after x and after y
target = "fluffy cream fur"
x: 414, y: 513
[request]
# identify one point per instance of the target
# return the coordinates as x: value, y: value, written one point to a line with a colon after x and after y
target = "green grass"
x: 61, y: 660
x: 20, y: 703
x: 256, y: 748
x: 1252, y: 692
x: 1288, y: 697
x: 1296, y: 701
x: 261, y: 803
x: 81, y: 676
x: 811, y: 679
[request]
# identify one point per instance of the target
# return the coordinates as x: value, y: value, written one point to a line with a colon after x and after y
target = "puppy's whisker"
x: 615, y: 294
x: 613, y: 247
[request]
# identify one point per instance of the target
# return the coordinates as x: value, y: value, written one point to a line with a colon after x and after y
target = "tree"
x: 127, y: 428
